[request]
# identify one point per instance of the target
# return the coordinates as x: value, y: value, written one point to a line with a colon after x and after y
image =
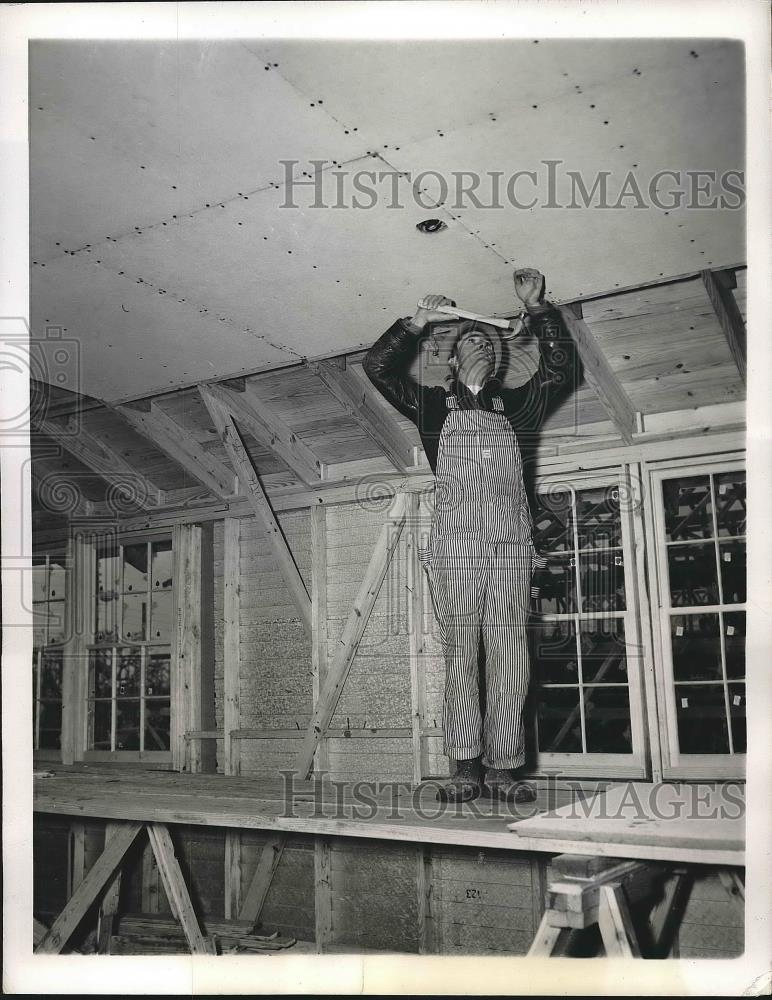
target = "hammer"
x: 514, y: 326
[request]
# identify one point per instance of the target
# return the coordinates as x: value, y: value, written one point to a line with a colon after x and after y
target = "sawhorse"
x: 103, y: 880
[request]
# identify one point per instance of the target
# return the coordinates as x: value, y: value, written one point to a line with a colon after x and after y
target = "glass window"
x: 579, y: 648
x: 129, y: 701
x: 703, y: 618
x: 49, y: 630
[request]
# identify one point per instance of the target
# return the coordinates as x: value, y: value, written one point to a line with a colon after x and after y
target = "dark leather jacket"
x: 526, y: 407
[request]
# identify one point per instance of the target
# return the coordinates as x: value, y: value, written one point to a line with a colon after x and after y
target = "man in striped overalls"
x: 480, y: 554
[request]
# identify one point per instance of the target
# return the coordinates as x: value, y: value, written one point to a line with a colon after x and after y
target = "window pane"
x: 552, y: 530
x: 607, y: 720
x: 557, y: 595
x: 127, y: 725
x: 602, y: 581
x: 732, y: 562
x: 597, y: 517
x: 127, y: 673
x: 56, y: 622
x: 696, y: 647
x: 135, y: 617
x: 692, y: 570
x: 737, y: 710
x: 39, y: 579
x: 559, y: 723
x: 162, y: 565
x: 157, y: 715
x: 734, y: 643
x: 161, y: 623
x: 56, y: 580
x: 701, y: 713
x: 730, y: 502
x: 604, y: 659
x: 134, y: 568
x: 554, y: 653
x: 101, y: 721
x: 50, y: 718
x: 51, y: 676
x: 157, y: 674
x: 107, y: 617
x: 688, y: 508
x: 101, y: 670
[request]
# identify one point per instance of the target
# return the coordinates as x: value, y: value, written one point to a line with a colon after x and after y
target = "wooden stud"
x: 89, y: 889
x: 176, y: 890
x: 231, y: 698
x: 103, y: 460
x: 171, y: 438
x: 81, y: 614
x: 186, y: 644
x: 261, y: 505
x: 109, y: 906
x: 322, y: 894
x: 362, y: 403
x: 347, y: 645
x: 600, y: 375
x: 77, y: 856
x: 270, y: 430
x: 270, y: 856
x: 719, y: 285
x: 427, y: 918
x: 415, y: 625
x: 150, y: 887
x: 319, y: 650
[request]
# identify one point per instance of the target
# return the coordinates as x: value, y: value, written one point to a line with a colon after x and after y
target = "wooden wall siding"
x: 275, y: 651
x: 713, y: 924
x: 646, y: 335
x: 377, y: 691
x: 289, y: 906
x: 374, y: 901
x: 483, y: 901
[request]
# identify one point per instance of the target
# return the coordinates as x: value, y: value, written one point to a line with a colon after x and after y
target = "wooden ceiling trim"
x: 599, y: 374
x: 719, y: 285
x: 258, y: 499
x: 170, y: 437
x: 270, y: 430
x: 361, y: 402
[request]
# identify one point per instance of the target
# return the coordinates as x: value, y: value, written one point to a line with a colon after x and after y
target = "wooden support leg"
x: 177, y: 891
x: 549, y: 939
x: 77, y: 856
x: 666, y: 915
x: 109, y: 906
x: 616, y: 925
x: 427, y: 925
x: 322, y: 893
x: 232, y: 873
x: 261, y: 881
x: 734, y: 885
x: 89, y: 889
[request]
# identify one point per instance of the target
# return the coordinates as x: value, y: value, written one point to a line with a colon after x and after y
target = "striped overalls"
x: 479, y: 562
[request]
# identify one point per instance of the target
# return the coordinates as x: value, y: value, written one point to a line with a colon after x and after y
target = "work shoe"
x: 464, y: 785
x: 502, y: 783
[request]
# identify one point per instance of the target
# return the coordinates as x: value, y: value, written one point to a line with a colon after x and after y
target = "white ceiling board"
x: 243, y: 284
x: 131, y: 339
x: 128, y: 134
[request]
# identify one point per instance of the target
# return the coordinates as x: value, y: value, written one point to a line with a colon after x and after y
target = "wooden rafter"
x: 170, y: 437
x: 719, y: 285
x: 104, y: 461
x: 242, y: 463
x: 270, y: 430
x: 53, y: 487
x: 360, y: 401
x: 600, y: 375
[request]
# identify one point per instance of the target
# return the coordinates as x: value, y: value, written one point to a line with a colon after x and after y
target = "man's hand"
x: 427, y: 311
x: 529, y: 285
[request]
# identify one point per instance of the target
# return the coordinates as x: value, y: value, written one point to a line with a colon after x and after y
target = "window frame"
x: 58, y: 553
x: 674, y: 763
x: 89, y: 595
x: 637, y: 764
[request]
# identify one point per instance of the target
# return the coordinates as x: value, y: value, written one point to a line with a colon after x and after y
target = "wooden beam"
x: 322, y: 894
x: 415, y: 625
x: 616, y: 924
x: 598, y: 372
x: 242, y: 463
x: 231, y: 697
x: 319, y: 649
x: 176, y: 890
x: 171, y: 438
x: 89, y: 889
x: 361, y: 402
x: 104, y: 461
x: 186, y: 644
x: 269, y: 429
x: 108, y: 908
x: 270, y: 856
x: 347, y: 645
x: 427, y: 923
x: 719, y: 285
